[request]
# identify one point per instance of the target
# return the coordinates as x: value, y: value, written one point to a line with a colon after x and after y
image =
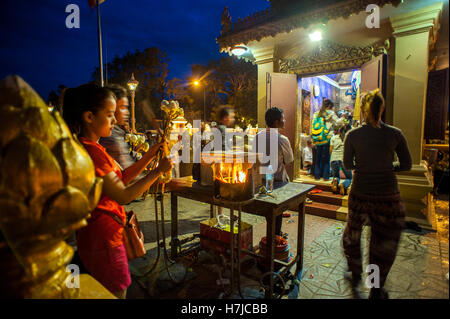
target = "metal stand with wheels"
x: 235, y: 248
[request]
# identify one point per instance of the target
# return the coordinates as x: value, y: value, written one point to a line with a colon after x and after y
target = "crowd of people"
x: 361, y: 156
x: 323, y: 154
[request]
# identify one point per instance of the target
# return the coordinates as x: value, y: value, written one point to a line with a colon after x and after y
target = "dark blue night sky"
x: 36, y: 44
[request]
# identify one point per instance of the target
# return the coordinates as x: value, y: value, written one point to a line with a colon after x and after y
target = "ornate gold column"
x: 415, y: 33
x: 48, y: 188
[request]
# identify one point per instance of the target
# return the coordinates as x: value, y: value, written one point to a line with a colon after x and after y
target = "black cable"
x: 157, y: 239
x: 239, y: 251
x: 166, y: 256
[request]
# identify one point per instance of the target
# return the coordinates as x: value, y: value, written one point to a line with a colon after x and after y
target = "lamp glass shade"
x: 132, y: 83
x: 239, y: 50
x: 132, y: 86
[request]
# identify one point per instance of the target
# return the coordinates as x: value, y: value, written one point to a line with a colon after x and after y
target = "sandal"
x: 341, y: 189
x: 334, y: 185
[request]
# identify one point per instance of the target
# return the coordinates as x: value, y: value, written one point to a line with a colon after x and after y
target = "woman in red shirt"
x: 89, y: 112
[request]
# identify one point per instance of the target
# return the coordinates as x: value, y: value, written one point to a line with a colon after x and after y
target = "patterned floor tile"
x: 416, y: 272
x: 409, y: 261
x: 323, y: 264
x: 402, y: 295
x: 341, y: 267
x: 403, y: 281
x: 413, y: 242
x: 432, y: 294
x: 336, y: 229
x: 417, y: 285
x: 336, y: 285
x: 434, y: 281
x: 325, y: 248
x: 316, y: 273
x: 324, y: 295
x: 307, y: 290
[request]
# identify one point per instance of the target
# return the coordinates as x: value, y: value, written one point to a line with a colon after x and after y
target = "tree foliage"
x: 54, y: 97
x: 225, y: 81
x: 183, y: 92
x: 229, y: 81
x: 150, y: 68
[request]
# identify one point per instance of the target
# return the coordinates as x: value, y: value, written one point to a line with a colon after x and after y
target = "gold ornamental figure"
x: 47, y: 190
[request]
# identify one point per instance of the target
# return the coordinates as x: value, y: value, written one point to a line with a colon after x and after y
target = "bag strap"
x: 114, y: 216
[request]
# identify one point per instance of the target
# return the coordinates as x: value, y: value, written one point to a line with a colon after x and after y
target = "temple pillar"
x: 266, y: 64
x: 414, y: 32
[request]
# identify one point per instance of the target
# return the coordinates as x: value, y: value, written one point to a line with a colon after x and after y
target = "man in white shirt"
x: 285, y: 157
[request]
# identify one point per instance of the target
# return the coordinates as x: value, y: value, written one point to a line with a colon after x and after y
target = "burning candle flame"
x: 241, y: 177
x: 232, y: 173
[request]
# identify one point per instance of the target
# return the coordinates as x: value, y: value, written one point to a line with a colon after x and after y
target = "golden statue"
x: 47, y: 190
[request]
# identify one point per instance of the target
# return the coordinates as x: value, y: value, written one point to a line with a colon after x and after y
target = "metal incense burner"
x: 233, y: 175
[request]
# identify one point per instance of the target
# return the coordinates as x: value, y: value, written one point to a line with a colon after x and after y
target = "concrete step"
x: 325, y: 204
x: 323, y: 185
x: 342, y: 213
x: 327, y: 210
x: 421, y: 180
x: 329, y: 198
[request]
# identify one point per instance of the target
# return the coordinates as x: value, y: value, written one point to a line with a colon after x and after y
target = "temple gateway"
x: 311, y: 49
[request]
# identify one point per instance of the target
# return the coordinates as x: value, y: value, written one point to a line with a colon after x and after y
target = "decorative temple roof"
x: 330, y: 56
x: 287, y: 15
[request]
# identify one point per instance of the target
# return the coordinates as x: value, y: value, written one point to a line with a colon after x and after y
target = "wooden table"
x: 288, y: 197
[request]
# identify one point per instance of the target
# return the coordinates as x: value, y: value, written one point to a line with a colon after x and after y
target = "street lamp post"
x: 132, y: 85
x: 197, y: 83
x: 204, y: 105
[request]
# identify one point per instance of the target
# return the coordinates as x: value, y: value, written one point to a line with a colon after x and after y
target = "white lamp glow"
x: 315, y: 36
x: 239, y: 50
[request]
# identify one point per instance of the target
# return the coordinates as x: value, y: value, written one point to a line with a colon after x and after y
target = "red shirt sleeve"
x: 102, y: 162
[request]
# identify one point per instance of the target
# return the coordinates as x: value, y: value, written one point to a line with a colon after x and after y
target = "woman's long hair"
x: 85, y: 98
x: 327, y: 103
x: 371, y: 105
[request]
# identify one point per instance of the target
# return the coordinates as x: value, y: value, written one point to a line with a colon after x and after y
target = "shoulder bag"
x: 133, y: 238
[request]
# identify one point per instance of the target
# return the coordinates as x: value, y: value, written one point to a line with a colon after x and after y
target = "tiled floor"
x: 418, y: 271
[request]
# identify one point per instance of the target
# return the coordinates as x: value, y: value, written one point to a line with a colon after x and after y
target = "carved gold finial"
x: 47, y: 189
x: 226, y: 21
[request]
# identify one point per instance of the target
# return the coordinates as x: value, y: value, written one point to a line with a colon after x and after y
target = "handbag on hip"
x: 133, y: 239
